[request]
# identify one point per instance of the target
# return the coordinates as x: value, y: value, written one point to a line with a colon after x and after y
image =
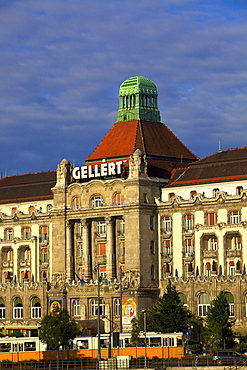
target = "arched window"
x: 94, y: 307
x: 17, y: 308
x: 203, y: 304
x: 35, y: 308
x: 97, y: 201
x: 152, y: 272
x: 117, y: 307
x: 183, y: 299
x: 76, y: 307
x: 117, y: 199
x: 230, y: 300
x: 2, y: 308
x: 152, y: 248
x: 76, y: 203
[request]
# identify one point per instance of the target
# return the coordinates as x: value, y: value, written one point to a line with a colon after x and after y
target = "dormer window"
x: 76, y: 203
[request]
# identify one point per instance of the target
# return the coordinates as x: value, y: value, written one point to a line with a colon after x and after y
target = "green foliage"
x: 16, y: 333
x: 57, y: 330
x: 168, y: 314
x: 135, y: 339
x: 241, y: 347
x: 218, y: 328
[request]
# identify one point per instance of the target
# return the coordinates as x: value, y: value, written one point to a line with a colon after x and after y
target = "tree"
x: 57, y: 329
x: 218, y: 325
x: 168, y: 314
x: 135, y: 333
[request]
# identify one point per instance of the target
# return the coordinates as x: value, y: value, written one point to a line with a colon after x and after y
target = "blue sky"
x: 62, y: 62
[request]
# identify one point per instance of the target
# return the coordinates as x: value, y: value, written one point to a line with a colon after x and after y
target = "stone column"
x: 86, y: 248
x: 69, y: 251
x: 110, y: 257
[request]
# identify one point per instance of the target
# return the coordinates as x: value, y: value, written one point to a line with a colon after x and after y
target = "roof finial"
x: 219, y: 147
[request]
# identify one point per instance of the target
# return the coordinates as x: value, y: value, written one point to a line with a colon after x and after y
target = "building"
x: 142, y: 210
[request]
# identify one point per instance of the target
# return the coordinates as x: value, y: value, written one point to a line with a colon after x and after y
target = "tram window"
x: 82, y: 344
x: 166, y: 342
x: 155, y: 342
x: 179, y: 342
x: 29, y: 346
x: 172, y: 342
x: 5, y: 347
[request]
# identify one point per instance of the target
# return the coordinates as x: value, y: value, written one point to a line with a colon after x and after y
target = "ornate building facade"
x: 141, y: 211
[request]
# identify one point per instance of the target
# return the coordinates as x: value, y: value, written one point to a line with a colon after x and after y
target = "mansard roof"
x: 28, y: 187
x: 228, y: 165
x: 164, y: 151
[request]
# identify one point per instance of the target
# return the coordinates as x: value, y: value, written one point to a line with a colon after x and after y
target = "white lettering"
x: 96, y: 170
x: 111, y: 168
x: 76, y: 173
x: 103, y: 169
x: 84, y: 172
x: 119, y: 167
x: 90, y: 172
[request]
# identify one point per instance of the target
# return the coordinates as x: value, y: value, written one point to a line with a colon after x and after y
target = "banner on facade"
x: 128, y: 310
x: 55, y: 304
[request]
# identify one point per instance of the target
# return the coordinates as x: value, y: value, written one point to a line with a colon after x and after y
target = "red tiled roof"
x: 229, y: 165
x: 154, y: 139
x: 28, y: 187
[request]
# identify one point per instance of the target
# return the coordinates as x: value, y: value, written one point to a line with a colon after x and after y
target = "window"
x: 9, y: 234
x: 215, y: 192
x: 232, y: 269
x: 152, y: 249
x: 171, y: 195
x: 189, y: 247
x: 102, y: 272
x: 122, y: 227
x: 188, y: 222
x: 122, y: 248
x: 76, y: 203
x: 35, y: 308
x: 25, y: 276
x: 27, y: 255
x: 31, y: 209
x: 79, y: 229
x: 208, y: 269
x: 44, y: 255
x: 44, y: 234
x: 192, y: 194
x: 2, y: 308
x: 101, y: 249
x: 97, y: 201
x: 117, y: 307
x: 14, y: 209
x: 167, y: 224
x: 80, y: 250
x: 203, y: 304
x: 145, y: 198
x: 230, y: 300
x: 76, y: 307
x: 211, y: 219
x: 152, y: 272
x: 17, y: 309
x: 234, y: 217
x: 7, y: 276
x: 101, y: 228
x: 94, y: 307
x: 151, y: 222
x: 117, y: 199
x: 26, y: 233
x: 167, y: 248
x: 239, y: 190
x: 213, y: 244
x: 237, y: 242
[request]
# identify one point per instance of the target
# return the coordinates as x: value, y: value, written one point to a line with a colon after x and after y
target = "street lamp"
x: 145, y: 337
x: 98, y: 317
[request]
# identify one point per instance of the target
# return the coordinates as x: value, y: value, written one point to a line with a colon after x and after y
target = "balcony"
x: 25, y: 263
x: 210, y: 254
x: 234, y: 253
x: 188, y: 256
x: 7, y: 263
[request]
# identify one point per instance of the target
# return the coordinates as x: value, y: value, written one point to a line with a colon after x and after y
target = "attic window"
x: 171, y: 195
x: 239, y: 190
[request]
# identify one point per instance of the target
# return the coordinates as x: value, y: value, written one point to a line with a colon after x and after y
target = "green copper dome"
x: 138, y: 100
